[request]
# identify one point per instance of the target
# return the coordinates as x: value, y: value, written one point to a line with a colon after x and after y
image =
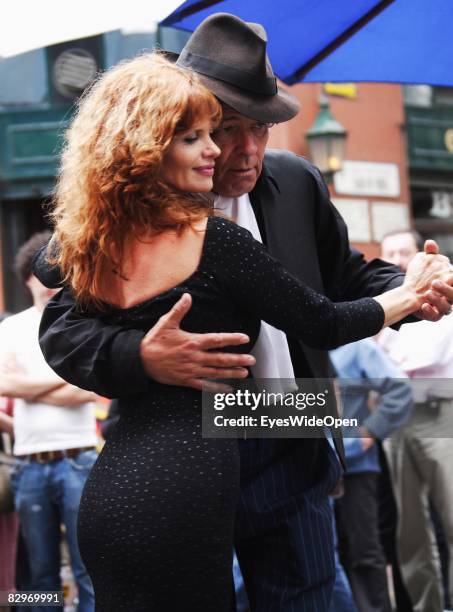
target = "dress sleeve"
x: 259, y: 284
x: 89, y: 353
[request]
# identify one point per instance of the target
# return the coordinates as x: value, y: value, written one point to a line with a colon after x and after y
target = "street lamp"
x: 326, y: 141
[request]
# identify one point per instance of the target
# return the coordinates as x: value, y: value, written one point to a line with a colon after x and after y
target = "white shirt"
x: 41, y: 427
x: 424, y: 350
x: 273, y: 359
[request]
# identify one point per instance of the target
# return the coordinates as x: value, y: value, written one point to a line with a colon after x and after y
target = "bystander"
x: 421, y: 461
x: 54, y: 440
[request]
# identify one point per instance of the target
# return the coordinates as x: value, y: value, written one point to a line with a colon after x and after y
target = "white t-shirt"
x: 41, y: 427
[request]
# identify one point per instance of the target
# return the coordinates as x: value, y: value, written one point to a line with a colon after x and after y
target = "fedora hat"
x: 229, y: 55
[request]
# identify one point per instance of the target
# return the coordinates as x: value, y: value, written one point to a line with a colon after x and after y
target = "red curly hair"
x: 109, y: 184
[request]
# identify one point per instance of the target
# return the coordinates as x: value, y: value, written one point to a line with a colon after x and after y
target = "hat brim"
x: 277, y: 108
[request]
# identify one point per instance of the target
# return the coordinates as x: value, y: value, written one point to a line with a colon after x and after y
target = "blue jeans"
x: 45, y: 496
x: 342, y: 598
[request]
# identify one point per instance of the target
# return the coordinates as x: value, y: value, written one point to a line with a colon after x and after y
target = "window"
x: 418, y: 95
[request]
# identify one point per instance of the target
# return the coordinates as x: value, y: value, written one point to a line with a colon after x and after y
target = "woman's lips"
x: 205, y: 170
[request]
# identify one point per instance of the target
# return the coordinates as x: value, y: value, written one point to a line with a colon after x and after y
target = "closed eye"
x: 190, y: 138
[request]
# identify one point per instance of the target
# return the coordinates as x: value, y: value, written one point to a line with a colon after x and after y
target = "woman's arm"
x: 258, y: 283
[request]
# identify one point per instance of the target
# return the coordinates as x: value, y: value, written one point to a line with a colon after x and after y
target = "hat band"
x: 266, y: 86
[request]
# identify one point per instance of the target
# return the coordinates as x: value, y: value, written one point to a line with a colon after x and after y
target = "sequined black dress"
x: 156, y: 517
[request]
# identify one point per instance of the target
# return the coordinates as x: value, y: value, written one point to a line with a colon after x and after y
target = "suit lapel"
x: 288, y: 229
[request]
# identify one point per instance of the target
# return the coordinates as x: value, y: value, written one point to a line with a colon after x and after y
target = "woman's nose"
x: 212, y: 150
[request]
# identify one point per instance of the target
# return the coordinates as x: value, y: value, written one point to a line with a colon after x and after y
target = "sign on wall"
x: 389, y: 217
x: 370, y: 221
x: 360, y: 178
x: 357, y: 218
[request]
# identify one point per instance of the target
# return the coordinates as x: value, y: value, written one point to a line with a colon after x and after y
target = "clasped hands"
x: 430, y: 277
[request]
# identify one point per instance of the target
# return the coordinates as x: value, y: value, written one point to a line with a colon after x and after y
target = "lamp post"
x: 326, y: 141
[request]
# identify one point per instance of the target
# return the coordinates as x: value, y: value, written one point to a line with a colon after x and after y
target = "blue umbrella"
x: 398, y: 41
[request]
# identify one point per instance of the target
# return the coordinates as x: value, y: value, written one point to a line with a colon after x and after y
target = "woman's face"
x: 189, y: 161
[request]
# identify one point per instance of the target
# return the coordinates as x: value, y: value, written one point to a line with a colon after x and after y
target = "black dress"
x: 157, y: 512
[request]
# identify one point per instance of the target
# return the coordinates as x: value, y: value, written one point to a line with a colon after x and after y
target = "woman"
x: 156, y: 519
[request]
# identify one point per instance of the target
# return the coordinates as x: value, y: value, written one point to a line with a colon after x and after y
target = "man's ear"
x: 28, y: 284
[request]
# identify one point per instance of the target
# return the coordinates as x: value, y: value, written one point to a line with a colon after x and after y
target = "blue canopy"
x: 396, y: 41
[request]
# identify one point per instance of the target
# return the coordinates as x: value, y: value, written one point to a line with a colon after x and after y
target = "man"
x: 420, y: 462
x: 363, y: 368
x: 55, y: 438
x: 283, y: 527
x: 399, y: 247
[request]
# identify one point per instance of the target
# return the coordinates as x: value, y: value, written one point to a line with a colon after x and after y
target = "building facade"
x: 398, y: 169
x: 429, y: 128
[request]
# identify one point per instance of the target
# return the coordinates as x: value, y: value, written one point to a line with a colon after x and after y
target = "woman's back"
x: 154, y: 264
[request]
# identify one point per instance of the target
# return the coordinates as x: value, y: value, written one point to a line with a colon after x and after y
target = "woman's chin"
x: 205, y: 186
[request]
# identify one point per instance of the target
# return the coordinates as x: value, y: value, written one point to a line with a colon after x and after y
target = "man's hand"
x: 10, y: 365
x: 366, y: 439
x: 172, y: 356
x: 367, y: 443
x: 439, y: 298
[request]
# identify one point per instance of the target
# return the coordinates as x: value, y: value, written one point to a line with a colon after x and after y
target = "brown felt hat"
x: 230, y: 57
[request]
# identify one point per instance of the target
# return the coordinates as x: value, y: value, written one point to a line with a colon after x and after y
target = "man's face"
x: 242, y: 142
x: 399, y: 249
x: 40, y: 294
